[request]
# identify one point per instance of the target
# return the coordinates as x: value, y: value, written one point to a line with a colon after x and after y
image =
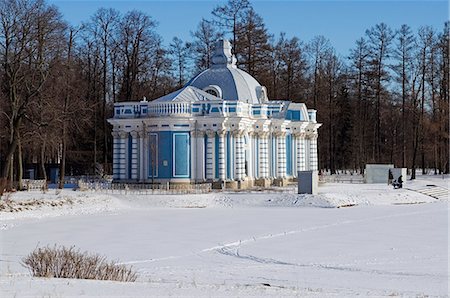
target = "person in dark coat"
x: 400, y: 182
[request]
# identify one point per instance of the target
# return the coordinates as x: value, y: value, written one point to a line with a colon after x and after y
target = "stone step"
x: 436, y: 192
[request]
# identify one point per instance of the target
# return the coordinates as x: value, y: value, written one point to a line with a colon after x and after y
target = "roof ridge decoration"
x: 222, y: 56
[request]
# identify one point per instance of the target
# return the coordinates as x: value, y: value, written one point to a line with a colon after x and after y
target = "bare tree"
x: 64, y: 115
x: 103, y: 26
x: 203, y: 45
x: 252, y: 44
x: 291, y: 65
x: 331, y: 75
x: 30, y: 35
x: 425, y: 44
x: 404, y: 54
x: 229, y: 15
x: 380, y: 38
x: 138, y: 42
x: 358, y: 73
x: 160, y: 81
x: 443, y: 102
x: 180, y: 54
x: 317, y: 49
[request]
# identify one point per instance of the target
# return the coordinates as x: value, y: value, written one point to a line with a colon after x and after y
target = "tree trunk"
x: 422, y: 115
x: 403, y: 112
x: 42, y: 161
x: 62, y: 165
x: 11, y: 149
x: 19, y: 165
x: 105, y: 123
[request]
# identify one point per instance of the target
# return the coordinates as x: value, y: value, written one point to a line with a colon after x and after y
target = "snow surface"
x: 385, y: 242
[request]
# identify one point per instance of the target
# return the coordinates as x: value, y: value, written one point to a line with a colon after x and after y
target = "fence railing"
x: 29, y: 184
x: 274, y: 189
x: 169, y: 108
x: 138, y: 188
x: 341, y: 178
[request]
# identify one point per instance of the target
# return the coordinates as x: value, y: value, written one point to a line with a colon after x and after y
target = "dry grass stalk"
x: 62, y: 262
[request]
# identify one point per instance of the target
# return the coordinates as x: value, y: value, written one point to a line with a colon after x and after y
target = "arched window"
x: 261, y: 93
x: 213, y: 90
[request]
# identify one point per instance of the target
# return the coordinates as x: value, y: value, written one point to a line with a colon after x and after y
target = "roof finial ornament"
x: 222, y: 56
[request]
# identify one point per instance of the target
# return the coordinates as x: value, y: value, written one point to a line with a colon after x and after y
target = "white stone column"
x: 123, y: 157
x: 254, y: 152
x: 116, y: 155
x: 198, y: 155
x: 250, y: 147
x: 263, y: 155
x: 142, y: 172
x: 230, y: 156
x: 294, y: 154
x: 281, y: 154
x: 240, y: 163
x: 134, y: 155
x: 301, y: 154
x: 210, y: 155
x: 201, y: 155
x: 272, y: 157
x: 313, y: 152
x: 307, y: 144
x: 193, y: 157
x: 222, y: 158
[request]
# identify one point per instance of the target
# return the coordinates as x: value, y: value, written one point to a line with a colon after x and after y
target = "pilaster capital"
x: 141, y: 134
x: 279, y: 133
x: 262, y: 134
x: 299, y: 135
x: 210, y: 133
x: 197, y: 133
x: 134, y: 134
x: 222, y: 133
x: 123, y: 134
x: 252, y: 133
x: 314, y: 136
x: 237, y: 133
x: 115, y: 134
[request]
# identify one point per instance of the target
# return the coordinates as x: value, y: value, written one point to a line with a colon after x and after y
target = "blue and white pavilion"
x: 220, y: 127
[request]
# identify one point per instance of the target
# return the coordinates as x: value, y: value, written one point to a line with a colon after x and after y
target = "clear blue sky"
x: 340, y: 21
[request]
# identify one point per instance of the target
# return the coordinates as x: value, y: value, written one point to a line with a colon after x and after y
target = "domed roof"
x: 234, y: 84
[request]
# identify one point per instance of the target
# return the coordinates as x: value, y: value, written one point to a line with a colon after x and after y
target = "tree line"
x: 387, y: 101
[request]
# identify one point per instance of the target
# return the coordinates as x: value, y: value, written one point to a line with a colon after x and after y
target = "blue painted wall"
x: 181, y: 154
x: 165, y: 154
x: 166, y: 157
x: 294, y: 115
x: 289, y: 154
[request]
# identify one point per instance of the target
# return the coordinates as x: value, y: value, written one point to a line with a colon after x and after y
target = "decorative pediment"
x: 187, y: 94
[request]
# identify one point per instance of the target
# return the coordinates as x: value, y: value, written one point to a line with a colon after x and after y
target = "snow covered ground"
x: 385, y: 242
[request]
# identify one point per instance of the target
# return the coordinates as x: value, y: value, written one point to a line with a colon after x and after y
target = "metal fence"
x: 272, y: 189
x: 140, y: 188
x: 29, y: 184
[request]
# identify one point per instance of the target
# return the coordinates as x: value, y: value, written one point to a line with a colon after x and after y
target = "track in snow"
x: 222, y: 248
